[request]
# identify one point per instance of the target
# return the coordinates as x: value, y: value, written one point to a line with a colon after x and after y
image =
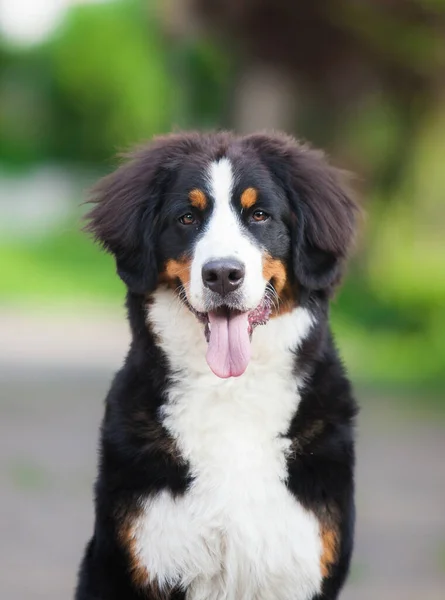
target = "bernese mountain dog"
x: 227, y: 445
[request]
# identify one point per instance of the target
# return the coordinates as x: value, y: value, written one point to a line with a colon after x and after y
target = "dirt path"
x: 50, y: 407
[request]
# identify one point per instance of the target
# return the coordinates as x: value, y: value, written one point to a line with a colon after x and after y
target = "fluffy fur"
x: 218, y: 487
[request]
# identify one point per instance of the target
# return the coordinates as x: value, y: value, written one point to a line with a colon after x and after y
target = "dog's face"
x: 224, y: 245
x: 242, y: 229
x: 225, y: 223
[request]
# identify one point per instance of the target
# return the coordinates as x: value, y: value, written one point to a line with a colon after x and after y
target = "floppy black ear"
x: 123, y: 221
x: 324, y: 212
x: 125, y: 214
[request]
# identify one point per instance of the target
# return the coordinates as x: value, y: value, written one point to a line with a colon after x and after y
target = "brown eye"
x: 187, y: 219
x: 260, y: 215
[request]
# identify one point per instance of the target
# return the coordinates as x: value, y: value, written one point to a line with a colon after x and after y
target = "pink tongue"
x: 228, y: 351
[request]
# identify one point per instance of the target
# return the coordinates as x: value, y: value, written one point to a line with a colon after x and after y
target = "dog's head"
x: 241, y: 228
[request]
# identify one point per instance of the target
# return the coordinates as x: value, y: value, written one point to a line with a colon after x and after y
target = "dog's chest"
x: 237, y: 533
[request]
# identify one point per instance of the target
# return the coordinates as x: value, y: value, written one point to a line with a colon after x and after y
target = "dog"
x: 227, y: 446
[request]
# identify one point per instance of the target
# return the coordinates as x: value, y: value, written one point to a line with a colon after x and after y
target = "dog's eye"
x: 260, y: 215
x: 187, y: 219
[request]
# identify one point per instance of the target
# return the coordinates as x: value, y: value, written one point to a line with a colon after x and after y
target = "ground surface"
x: 53, y: 376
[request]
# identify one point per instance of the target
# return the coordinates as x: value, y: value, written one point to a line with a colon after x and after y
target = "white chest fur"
x: 237, y: 534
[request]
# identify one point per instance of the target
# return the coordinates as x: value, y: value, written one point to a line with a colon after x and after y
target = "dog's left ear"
x: 123, y: 222
x: 323, y: 211
x: 126, y: 208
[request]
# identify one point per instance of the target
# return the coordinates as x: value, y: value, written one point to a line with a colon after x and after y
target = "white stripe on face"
x: 224, y: 238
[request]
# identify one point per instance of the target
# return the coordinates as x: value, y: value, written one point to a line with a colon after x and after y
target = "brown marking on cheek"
x: 288, y: 299
x: 274, y: 270
x: 198, y: 199
x: 176, y: 269
x: 329, y: 542
x: 249, y: 197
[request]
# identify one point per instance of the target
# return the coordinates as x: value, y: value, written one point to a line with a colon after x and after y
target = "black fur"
x: 136, y: 218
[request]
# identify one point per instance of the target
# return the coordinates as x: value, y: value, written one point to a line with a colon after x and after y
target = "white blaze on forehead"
x: 224, y: 238
x: 221, y: 181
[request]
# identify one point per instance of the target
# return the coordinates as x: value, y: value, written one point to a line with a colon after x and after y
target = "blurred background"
x: 81, y: 80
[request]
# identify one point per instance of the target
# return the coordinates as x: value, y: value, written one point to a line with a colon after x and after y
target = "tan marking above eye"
x: 198, y: 199
x: 249, y: 197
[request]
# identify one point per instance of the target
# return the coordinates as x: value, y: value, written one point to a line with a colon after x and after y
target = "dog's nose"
x: 223, y: 275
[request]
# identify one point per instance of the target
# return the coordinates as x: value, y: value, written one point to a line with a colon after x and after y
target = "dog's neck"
x: 181, y: 336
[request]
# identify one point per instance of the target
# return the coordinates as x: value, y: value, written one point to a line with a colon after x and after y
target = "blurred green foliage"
x: 108, y: 77
x: 62, y: 265
x: 98, y: 84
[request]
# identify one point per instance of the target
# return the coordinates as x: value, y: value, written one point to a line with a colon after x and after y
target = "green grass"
x: 65, y: 267
x: 393, y: 359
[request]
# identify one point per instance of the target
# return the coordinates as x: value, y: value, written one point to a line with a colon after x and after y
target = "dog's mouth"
x: 228, y: 333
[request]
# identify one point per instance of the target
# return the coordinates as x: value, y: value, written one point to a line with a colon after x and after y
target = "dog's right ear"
x: 323, y: 208
x: 126, y: 210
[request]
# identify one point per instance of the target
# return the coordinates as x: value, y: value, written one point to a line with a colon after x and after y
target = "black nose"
x: 223, y: 275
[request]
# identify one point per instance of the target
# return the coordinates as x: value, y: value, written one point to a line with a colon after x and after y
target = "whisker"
x: 272, y: 295
x: 183, y: 270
